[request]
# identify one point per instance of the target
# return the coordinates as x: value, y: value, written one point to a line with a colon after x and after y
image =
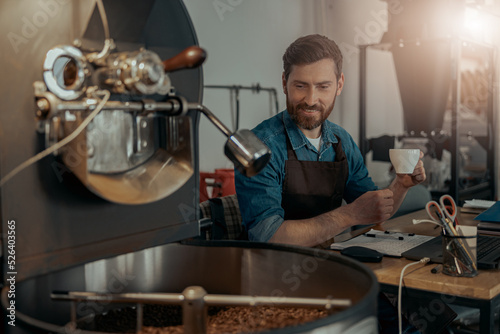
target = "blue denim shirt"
x: 260, y: 196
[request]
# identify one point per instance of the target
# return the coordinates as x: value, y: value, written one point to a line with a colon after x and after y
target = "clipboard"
x: 388, y: 243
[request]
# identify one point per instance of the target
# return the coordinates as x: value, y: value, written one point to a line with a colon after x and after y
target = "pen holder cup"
x: 460, y: 252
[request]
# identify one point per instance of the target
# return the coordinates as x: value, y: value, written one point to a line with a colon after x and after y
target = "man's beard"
x: 305, y: 121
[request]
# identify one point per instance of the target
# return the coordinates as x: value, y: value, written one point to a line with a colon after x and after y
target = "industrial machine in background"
x: 446, y: 81
x: 60, y: 221
x: 100, y: 180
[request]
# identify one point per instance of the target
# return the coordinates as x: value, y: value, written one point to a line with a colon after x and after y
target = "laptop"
x: 488, y: 251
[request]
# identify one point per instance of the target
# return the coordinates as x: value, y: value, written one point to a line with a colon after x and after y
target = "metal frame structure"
x: 486, y: 307
x: 486, y: 189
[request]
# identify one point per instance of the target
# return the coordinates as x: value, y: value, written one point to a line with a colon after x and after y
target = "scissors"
x: 442, y: 213
x: 450, y: 210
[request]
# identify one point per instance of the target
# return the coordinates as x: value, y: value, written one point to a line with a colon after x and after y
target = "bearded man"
x: 315, y: 164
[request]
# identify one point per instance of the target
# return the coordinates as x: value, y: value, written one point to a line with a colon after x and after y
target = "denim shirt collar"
x: 298, y: 139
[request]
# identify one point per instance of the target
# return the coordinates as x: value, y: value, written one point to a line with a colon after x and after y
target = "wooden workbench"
x: 482, y: 291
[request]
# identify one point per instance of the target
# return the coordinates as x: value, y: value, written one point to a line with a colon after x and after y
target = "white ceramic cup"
x: 404, y: 160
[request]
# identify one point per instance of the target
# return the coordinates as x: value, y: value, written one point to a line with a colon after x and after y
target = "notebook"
x: 387, y: 243
x: 488, y: 251
x: 490, y: 215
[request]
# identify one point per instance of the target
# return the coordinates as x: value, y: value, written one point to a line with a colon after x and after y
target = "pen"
x: 372, y: 235
x: 446, y: 228
x: 437, y: 269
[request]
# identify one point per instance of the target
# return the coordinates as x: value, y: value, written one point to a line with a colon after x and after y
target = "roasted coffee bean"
x: 233, y: 320
x: 167, y: 319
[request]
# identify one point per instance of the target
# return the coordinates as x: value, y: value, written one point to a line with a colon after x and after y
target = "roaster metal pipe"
x: 211, y: 117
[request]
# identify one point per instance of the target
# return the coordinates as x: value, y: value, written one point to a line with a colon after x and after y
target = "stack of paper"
x: 476, y: 205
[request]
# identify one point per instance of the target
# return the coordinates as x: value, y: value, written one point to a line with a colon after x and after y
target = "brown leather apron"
x: 313, y: 187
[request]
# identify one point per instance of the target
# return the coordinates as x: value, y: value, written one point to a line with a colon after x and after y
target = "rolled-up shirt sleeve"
x: 259, y: 198
x: 265, y: 229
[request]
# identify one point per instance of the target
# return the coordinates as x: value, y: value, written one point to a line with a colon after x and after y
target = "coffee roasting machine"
x: 99, y: 181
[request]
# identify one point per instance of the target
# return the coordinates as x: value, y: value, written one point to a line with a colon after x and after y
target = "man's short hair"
x: 310, y: 49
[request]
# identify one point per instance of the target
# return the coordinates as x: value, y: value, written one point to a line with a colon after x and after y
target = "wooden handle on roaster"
x: 190, y: 57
